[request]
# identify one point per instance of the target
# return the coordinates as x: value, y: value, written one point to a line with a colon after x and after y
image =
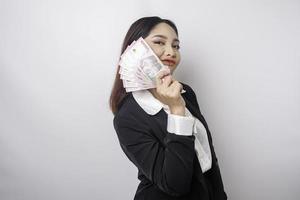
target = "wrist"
x: 177, y: 110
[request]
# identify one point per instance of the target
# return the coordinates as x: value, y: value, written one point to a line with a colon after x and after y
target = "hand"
x: 168, y: 91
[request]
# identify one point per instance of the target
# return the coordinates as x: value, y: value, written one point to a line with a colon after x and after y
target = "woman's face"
x: 164, y: 42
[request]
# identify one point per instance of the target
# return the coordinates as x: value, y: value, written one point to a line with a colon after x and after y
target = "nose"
x: 169, y: 51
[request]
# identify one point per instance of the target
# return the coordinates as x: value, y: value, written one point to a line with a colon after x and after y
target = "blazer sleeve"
x: 168, y: 164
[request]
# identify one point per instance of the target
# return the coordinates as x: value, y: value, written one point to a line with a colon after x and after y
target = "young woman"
x: 161, y: 130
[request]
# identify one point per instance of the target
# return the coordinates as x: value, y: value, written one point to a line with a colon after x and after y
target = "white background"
x: 57, y: 64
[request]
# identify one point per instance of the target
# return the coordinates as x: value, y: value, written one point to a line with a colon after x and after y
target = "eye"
x: 176, y: 46
x: 159, y: 42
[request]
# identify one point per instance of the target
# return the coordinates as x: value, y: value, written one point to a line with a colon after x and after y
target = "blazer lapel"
x: 193, y: 109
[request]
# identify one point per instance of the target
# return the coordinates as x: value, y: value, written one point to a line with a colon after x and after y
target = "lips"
x: 168, y: 62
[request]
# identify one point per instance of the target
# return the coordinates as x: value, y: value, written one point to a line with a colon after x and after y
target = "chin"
x: 172, y: 69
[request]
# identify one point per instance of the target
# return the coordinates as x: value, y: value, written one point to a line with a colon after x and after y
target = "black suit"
x: 167, y: 164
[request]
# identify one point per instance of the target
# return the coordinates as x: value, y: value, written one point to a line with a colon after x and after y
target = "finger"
x: 161, y: 74
x: 167, y: 80
x: 173, y: 79
x: 176, y: 86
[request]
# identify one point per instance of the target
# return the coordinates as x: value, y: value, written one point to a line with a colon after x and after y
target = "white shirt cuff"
x: 180, y: 125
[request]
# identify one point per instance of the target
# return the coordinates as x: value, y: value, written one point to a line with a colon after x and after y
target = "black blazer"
x: 168, y: 167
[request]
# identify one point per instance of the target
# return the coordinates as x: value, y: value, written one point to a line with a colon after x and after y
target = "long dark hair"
x: 140, y: 28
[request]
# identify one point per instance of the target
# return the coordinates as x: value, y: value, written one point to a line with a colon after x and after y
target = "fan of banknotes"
x: 139, y: 66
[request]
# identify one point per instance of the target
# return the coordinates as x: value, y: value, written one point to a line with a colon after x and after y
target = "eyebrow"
x: 162, y: 36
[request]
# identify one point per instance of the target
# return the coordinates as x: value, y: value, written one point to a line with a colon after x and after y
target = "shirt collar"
x: 148, y: 102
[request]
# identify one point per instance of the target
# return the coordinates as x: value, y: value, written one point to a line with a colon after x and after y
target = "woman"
x: 162, y: 130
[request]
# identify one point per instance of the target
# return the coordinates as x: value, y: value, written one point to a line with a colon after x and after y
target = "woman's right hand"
x: 168, y: 91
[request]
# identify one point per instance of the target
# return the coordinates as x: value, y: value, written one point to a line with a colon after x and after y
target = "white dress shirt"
x: 181, y: 125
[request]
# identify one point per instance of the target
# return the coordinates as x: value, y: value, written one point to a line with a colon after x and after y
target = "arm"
x: 169, y: 165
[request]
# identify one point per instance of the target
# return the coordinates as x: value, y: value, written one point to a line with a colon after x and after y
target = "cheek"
x: 157, y: 50
x: 178, y: 58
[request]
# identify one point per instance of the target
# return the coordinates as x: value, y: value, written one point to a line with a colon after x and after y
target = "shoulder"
x: 190, y: 95
x: 129, y: 110
x: 131, y: 121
